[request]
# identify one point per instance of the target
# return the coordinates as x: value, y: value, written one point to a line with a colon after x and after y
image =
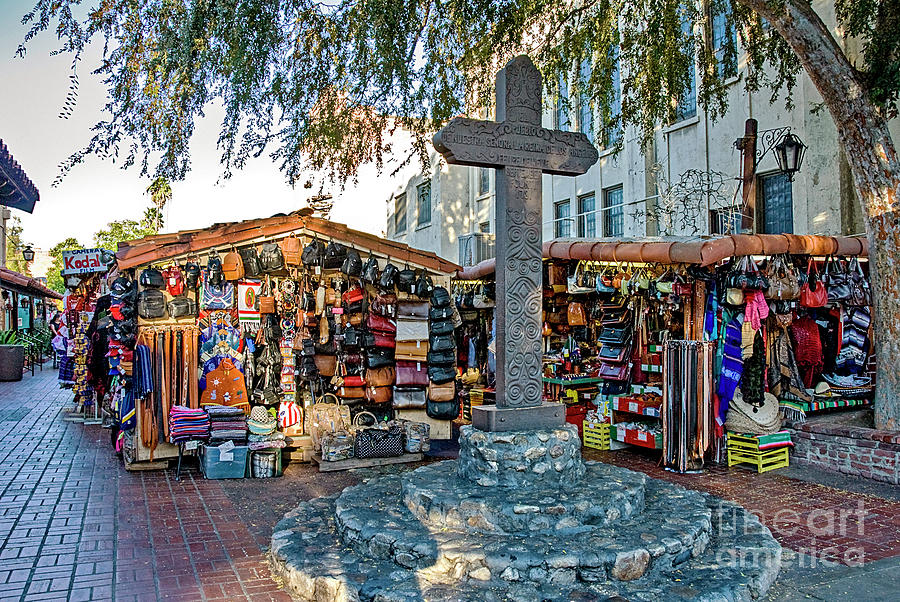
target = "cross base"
x: 494, y: 419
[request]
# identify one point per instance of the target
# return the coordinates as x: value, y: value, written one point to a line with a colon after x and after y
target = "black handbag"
x: 379, y: 357
x: 309, y: 348
x: 191, y: 274
x: 442, y: 410
x: 424, y: 286
x: 271, y: 258
x: 307, y: 301
x: 312, y: 254
x: 441, y: 374
x: 440, y: 313
x: 335, y: 254
x: 388, y: 278
x: 406, y: 280
x: 837, y: 280
x: 250, y: 259
x: 152, y: 278
x: 615, y: 335
x: 352, y: 265
x: 182, y: 306
x: 436, y: 358
x: 370, y: 270
x: 351, y: 338
x: 151, y: 304
x: 440, y: 297
x: 379, y: 442
x: 441, y: 327
x: 214, y: 275
x: 441, y: 343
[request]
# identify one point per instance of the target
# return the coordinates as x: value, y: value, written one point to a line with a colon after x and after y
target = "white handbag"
x: 412, y: 329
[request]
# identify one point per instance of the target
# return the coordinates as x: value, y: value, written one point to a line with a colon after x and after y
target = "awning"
x: 21, y: 283
x: 699, y: 250
x: 16, y: 190
x: 224, y: 237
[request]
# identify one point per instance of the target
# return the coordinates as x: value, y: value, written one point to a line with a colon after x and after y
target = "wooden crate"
x: 596, y: 435
x: 745, y: 450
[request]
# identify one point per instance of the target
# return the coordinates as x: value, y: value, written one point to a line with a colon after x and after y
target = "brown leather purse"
x: 351, y: 392
x: 444, y: 392
x: 232, y: 266
x: 266, y: 299
x: 576, y: 314
x: 415, y: 351
x: 290, y: 248
x: 327, y: 364
x: 380, y: 377
x: 379, y: 394
x: 409, y: 398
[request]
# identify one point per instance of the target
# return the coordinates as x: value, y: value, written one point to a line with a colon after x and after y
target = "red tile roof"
x: 26, y: 284
x: 162, y: 247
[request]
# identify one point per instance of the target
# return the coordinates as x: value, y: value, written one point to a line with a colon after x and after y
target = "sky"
x: 97, y: 191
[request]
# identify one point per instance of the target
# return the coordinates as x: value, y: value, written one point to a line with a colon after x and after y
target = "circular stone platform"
x: 428, y: 534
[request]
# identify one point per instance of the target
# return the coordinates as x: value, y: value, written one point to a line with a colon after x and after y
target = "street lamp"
x: 789, y: 155
x: 28, y: 253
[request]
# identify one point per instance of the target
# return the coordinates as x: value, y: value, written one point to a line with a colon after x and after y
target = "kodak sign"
x: 83, y: 261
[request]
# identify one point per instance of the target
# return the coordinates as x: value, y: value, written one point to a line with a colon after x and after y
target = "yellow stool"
x: 596, y: 435
x: 745, y: 450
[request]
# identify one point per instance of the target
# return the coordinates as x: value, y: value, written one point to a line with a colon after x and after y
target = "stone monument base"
x: 493, y: 418
x: 470, y: 530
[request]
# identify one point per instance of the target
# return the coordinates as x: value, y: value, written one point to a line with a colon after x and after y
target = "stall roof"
x: 16, y: 190
x: 25, y: 284
x: 161, y: 247
x: 700, y: 250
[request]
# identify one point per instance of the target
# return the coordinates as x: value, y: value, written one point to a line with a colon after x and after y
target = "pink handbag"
x: 411, y: 374
x: 613, y: 371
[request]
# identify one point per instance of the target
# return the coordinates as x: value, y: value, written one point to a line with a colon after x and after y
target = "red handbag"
x: 384, y: 340
x: 380, y: 324
x: 809, y: 296
x: 411, y: 374
x: 354, y: 295
x: 613, y: 371
x: 354, y: 381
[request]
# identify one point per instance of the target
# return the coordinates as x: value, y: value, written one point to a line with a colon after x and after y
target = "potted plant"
x: 12, y: 356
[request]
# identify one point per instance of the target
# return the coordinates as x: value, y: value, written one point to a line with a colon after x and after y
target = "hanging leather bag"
x: 352, y: 265
x: 191, y: 275
x: 411, y: 374
x: 266, y: 300
x: 406, y: 280
x: 440, y: 313
x: 445, y: 358
x: 180, y: 307
x: 411, y: 350
x: 442, y: 327
x: 151, y: 304
x: 442, y: 410
x: 440, y: 297
x: 441, y: 343
x: 313, y: 254
x: 290, y: 250
x: 442, y: 392
x: 152, y: 278
x: 413, y: 309
x: 376, y: 323
x: 860, y: 292
x: 270, y: 258
x: 326, y: 364
x: 250, y: 260
x: 370, y: 271
x: 441, y: 374
x: 412, y: 329
x: 784, y: 282
x: 388, y: 279
x: 424, y: 286
x: 385, y: 304
x: 613, y: 371
x: 335, y: 254
x: 837, y: 280
x: 813, y: 292
x: 380, y: 377
x: 379, y: 357
x: 232, y: 266
x: 409, y: 398
x: 576, y: 314
x: 379, y: 394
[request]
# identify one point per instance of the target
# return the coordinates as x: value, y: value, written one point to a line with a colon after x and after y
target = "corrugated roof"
x: 700, y: 250
x: 26, y: 284
x: 16, y: 189
x: 162, y: 247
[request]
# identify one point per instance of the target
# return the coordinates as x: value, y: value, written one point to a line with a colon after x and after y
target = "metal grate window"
x: 587, y: 216
x: 562, y: 227
x: 400, y: 214
x: 778, y: 204
x: 613, y: 212
x: 423, y: 196
x: 687, y: 103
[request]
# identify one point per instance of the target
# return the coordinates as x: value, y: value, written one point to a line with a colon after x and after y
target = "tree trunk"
x: 864, y: 136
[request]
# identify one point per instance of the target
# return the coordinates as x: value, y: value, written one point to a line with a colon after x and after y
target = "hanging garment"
x: 732, y: 363
x: 784, y: 377
x: 808, y: 348
x: 225, y: 386
x: 753, y: 380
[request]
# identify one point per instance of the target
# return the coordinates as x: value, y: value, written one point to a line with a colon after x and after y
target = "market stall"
x: 670, y: 342
x: 285, y: 333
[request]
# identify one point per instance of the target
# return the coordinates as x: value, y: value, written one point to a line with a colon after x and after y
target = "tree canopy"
x: 15, y: 243
x: 318, y: 84
x: 54, y: 278
x: 128, y: 229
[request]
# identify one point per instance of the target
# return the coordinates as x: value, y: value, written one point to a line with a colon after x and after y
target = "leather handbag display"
x: 416, y: 351
x: 250, y: 261
x: 385, y: 305
x: 440, y: 297
x: 379, y: 394
x: 406, y: 280
x: 813, y: 292
x: 380, y: 377
x: 441, y: 374
x: 151, y: 304
x: 351, y: 392
x: 613, y: 371
x: 613, y: 353
x: 441, y: 342
x: 409, y: 398
x: 442, y: 358
x: 379, y: 357
x: 424, y: 286
x: 352, y: 265
x: 413, y: 309
x: 860, y: 292
x: 180, y: 307
x: 837, y: 280
x: 192, y: 275
x: 270, y: 258
x: 442, y: 392
x: 354, y: 380
x: 784, y: 282
x: 576, y: 314
x: 232, y: 266
x: 615, y: 335
x: 412, y: 329
x: 380, y: 324
x: 313, y: 254
x: 383, y: 340
x: 388, y: 279
x: 290, y: 250
x: 440, y: 313
x: 411, y: 374
x: 335, y: 254
x: 326, y: 364
x: 441, y: 327
x: 370, y: 270
x: 442, y: 410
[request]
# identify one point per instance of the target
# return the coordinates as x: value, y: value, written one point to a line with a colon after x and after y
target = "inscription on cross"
x: 520, y: 150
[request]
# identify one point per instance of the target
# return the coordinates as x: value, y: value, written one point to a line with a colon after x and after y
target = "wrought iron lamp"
x: 28, y: 253
x: 789, y: 154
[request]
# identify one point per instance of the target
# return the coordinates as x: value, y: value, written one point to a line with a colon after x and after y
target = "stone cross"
x: 520, y: 150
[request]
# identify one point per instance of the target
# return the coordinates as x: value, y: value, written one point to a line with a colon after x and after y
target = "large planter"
x: 12, y: 362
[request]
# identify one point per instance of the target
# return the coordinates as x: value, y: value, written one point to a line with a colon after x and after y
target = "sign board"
x: 84, y: 261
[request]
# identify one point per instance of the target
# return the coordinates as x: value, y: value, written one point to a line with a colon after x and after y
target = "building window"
x: 423, y: 209
x: 613, y: 215
x: 400, y: 214
x: 687, y: 102
x: 727, y: 220
x: 585, y: 112
x: 562, y: 109
x: 612, y: 129
x: 587, y: 216
x: 484, y: 227
x: 562, y: 227
x: 484, y: 181
x: 724, y: 39
x: 777, y: 204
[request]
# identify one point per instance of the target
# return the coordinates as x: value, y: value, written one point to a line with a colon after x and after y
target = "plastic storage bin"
x: 213, y: 467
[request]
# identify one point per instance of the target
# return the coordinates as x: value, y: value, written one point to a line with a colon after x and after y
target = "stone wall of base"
x: 867, y: 453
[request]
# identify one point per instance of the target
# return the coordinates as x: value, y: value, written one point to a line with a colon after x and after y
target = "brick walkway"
x: 74, y: 523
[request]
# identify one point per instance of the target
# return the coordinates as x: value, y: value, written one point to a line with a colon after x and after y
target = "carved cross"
x: 520, y: 150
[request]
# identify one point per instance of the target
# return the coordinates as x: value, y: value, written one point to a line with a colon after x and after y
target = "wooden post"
x: 14, y: 317
x: 748, y: 175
